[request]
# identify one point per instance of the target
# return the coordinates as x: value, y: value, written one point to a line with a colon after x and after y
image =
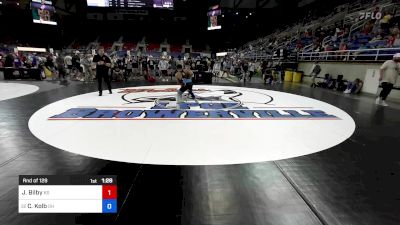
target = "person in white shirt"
x: 252, y: 69
x: 163, y: 66
x: 86, y: 62
x: 389, y: 72
x: 217, y: 68
x: 68, y: 63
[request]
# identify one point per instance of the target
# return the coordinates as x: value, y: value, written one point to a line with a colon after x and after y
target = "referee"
x: 103, y: 64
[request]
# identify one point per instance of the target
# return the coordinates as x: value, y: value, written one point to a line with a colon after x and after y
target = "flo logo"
x: 220, y: 103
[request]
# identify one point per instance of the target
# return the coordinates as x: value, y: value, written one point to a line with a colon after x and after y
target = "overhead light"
x: 223, y: 15
x: 237, y: 13
x: 247, y: 17
x: 250, y: 14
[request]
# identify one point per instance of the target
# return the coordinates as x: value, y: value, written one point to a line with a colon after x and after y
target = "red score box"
x: 109, y: 191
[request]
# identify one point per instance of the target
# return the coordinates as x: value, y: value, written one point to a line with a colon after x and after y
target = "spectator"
x: 342, y: 48
x: 145, y: 69
x: 87, y: 66
x: 60, y: 64
x: 391, y: 41
x: 76, y: 64
x: 378, y: 37
x: 385, y: 22
x: 49, y: 66
x: 278, y: 72
x: 129, y: 67
x: 135, y: 66
x: 179, y: 61
x: 9, y: 61
x: 252, y: 69
x: 315, y: 71
x: 172, y: 66
x: 163, y: 66
x: 216, y: 69
x: 368, y: 27
x: 354, y: 87
x: 68, y: 63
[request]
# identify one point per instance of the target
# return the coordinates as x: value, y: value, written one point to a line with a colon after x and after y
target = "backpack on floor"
x: 151, y: 79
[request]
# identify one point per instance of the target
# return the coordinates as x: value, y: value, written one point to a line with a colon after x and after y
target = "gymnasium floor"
x: 355, y: 182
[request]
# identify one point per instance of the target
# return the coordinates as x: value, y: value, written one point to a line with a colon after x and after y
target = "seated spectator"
x: 299, y: 46
x: 390, y: 42
x: 394, y: 38
x: 378, y: 37
x: 354, y: 87
x: 343, y: 46
x: 340, y: 83
x: 327, y: 83
x: 334, y: 38
x: 118, y: 74
x: 342, y: 49
x: 368, y: 27
x: 267, y: 76
x: 328, y: 47
x: 361, y: 47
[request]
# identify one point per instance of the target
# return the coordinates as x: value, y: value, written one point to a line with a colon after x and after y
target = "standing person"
x: 179, y: 61
x: 49, y: 66
x: 1, y: 61
x: 315, y: 70
x: 184, y: 78
x: 163, y: 66
x: 135, y: 66
x: 87, y: 65
x: 122, y: 67
x: 129, y: 67
x: 389, y: 72
x: 76, y: 65
x: 103, y: 64
x: 279, y: 72
x: 68, y: 63
x: 145, y: 68
x: 60, y: 64
x: 252, y: 69
x: 172, y: 64
x: 151, y: 67
x: 9, y: 66
x: 245, y: 69
x: 212, y: 63
x: 216, y: 69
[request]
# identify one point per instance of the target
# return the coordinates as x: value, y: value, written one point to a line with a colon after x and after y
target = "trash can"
x: 297, y: 76
x: 288, y: 76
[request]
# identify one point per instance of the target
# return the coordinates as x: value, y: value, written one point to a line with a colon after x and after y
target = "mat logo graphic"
x: 160, y: 104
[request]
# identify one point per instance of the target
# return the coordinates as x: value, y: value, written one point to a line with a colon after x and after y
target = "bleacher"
x: 312, y: 38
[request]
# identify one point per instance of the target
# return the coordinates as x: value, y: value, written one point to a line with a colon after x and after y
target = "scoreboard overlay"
x: 67, y: 194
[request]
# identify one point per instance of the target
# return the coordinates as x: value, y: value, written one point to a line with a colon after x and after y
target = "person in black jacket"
x: 103, y: 64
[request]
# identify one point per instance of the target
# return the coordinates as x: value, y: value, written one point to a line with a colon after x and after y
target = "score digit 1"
x: 109, y: 198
